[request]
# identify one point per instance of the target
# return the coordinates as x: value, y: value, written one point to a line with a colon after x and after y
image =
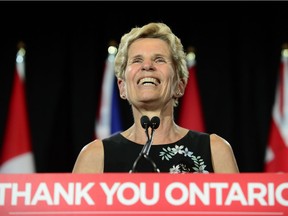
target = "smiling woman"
x: 152, y: 75
x: 237, y: 62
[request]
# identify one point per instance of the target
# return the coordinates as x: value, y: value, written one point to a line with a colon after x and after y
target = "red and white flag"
x: 16, y: 154
x: 190, y: 113
x: 277, y: 149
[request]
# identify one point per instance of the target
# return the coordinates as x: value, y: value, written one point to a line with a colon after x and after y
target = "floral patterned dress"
x: 191, y: 154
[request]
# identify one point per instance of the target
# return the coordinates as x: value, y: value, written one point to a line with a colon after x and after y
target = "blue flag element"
x: 108, y: 120
x: 116, y: 123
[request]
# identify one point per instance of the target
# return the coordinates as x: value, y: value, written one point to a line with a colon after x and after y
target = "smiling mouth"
x: 148, y: 81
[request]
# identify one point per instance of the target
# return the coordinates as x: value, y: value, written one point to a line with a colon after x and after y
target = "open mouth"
x: 148, y: 81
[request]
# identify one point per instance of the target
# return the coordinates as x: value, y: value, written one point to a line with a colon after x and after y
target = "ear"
x: 182, y: 85
x: 180, y: 88
x: 122, y: 88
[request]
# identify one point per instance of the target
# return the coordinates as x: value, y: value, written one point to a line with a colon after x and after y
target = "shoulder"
x: 90, y: 158
x: 222, y: 155
x: 218, y: 143
x: 92, y: 148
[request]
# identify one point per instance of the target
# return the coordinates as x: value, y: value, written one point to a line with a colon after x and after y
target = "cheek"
x: 173, y: 84
x: 129, y: 71
x: 129, y: 89
x: 130, y: 77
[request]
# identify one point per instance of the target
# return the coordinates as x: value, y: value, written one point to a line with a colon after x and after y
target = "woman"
x: 152, y: 74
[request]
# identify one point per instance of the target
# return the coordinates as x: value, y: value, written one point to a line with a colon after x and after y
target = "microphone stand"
x: 146, y: 123
x: 154, y: 124
x: 149, y: 142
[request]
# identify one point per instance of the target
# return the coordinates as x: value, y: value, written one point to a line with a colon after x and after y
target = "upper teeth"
x: 148, y: 80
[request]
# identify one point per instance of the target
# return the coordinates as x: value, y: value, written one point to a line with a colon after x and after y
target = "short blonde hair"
x: 152, y: 30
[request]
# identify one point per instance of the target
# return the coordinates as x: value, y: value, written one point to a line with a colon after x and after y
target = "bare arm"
x: 223, y: 158
x: 90, y: 158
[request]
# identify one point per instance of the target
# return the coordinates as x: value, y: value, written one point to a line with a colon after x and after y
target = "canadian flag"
x: 16, y: 154
x: 277, y: 149
x: 108, y: 119
x: 191, y: 115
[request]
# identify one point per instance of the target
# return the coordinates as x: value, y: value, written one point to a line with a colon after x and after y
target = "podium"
x: 144, y: 194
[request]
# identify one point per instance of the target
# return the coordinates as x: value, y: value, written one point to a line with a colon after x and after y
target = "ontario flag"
x: 277, y: 149
x: 191, y: 115
x: 108, y: 118
x: 16, y: 154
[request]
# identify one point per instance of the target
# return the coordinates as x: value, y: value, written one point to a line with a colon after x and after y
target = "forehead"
x: 147, y: 46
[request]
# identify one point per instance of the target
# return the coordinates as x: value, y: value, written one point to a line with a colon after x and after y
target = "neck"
x: 167, y: 132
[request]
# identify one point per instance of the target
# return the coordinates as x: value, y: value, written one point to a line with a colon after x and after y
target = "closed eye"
x: 160, y: 60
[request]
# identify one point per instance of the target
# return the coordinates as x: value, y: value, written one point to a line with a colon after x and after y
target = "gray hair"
x: 153, y: 30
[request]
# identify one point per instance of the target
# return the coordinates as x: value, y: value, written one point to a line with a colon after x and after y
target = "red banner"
x: 144, y: 194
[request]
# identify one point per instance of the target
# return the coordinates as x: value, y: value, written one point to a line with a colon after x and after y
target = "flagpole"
x: 20, y: 60
x: 191, y: 56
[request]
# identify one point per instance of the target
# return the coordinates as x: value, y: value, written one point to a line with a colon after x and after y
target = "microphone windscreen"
x: 155, y: 122
x: 145, y: 122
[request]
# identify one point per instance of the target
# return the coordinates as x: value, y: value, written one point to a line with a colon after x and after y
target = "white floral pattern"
x: 199, y: 164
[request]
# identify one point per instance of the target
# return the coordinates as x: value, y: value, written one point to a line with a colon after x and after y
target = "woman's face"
x: 149, y: 73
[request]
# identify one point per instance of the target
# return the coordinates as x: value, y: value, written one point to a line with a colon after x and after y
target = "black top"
x: 192, y: 153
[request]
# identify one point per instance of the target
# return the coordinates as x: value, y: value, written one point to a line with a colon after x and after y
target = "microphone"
x: 154, y: 124
x: 146, y: 123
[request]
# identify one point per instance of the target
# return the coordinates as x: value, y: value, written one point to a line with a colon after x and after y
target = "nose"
x: 147, y: 65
